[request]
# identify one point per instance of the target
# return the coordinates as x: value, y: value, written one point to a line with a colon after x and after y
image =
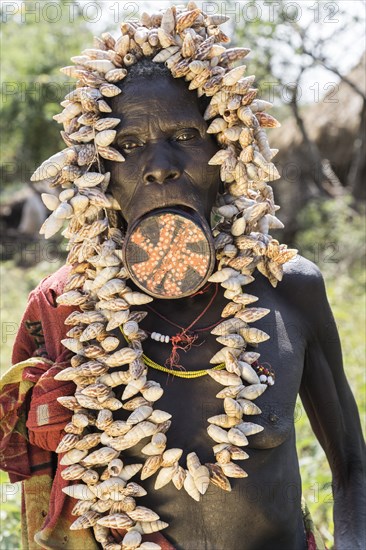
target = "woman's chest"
x: 192, y: 401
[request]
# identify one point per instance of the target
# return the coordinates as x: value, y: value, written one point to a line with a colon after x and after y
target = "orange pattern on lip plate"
x: 165, y: 267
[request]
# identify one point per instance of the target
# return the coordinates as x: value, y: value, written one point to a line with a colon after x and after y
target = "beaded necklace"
x: 179, y: 374
x: 185, y: 339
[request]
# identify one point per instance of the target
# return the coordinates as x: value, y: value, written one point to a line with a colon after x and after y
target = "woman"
x: 166, y: 227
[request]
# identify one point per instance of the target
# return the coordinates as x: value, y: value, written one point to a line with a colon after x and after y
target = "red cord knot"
x: 182, y: 341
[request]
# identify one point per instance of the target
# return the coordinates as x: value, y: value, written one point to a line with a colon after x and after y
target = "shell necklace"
x: 266, y: 375
x: 195, y: 479
x: 187, y: 40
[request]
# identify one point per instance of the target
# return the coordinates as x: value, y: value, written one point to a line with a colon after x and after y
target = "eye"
x: 186, y: 135
x: 129, y: 144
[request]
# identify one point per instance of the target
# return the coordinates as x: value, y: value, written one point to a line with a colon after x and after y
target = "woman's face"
x: 162, y: 136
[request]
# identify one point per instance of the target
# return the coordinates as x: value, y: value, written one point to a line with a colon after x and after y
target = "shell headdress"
x: 188, y: 42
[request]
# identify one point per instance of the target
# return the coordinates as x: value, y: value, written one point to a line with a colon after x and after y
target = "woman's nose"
x: 161, y: 167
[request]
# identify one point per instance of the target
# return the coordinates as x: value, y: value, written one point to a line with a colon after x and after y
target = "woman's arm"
x: 333, y: 415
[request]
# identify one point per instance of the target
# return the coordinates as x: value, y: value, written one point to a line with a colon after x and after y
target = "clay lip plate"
x: 169, y: 252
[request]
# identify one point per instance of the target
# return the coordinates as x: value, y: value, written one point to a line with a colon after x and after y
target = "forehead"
x: 164, y: 98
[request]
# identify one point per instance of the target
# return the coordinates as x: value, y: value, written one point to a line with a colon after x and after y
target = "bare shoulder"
x: 303, y: 285
x: 302, y: 269
x: 302, y: 274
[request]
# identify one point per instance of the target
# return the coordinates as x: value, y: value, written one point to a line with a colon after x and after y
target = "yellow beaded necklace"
x: 180, y: 374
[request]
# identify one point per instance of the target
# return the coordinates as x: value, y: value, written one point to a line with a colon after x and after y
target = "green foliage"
x: 16, y: 283
x: 331, y: 233
x: 36, y: 48
x: 9, y: 514
x: 258, y: 34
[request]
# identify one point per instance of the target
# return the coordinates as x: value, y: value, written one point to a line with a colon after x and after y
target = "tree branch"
x: 355, y: 176
x: 334, y: 70
x: 321, y: 173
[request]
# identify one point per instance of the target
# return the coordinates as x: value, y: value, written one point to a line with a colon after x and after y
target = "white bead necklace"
x: 164, y: 338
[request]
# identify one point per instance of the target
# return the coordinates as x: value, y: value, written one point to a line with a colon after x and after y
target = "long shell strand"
x: 188, y: 41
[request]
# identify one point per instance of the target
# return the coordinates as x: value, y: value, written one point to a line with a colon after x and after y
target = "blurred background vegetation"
x: 321, y: 159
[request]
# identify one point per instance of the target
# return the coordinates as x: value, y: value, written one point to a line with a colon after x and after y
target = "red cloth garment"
x: 46, y: 417
x: 313, y: 537
x: 311, y: 541
x: 42, y: 308
x: 16, y: 455
x: 25, y: 453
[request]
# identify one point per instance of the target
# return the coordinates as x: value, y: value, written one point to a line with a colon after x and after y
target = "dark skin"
x: 160, y: 141
x: 162, y: 135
